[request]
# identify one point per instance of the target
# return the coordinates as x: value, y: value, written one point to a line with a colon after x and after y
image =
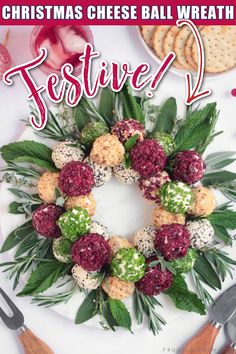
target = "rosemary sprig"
x: 145, y: 305
x: 162, y: 262
x: 201, y: 291
x: 27, y: 172
x: 52, y: 300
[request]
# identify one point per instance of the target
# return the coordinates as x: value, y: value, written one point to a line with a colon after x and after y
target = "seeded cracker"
x: 158, y: 40
x: 188, y: 50
x: 168, y: 45
x: 220, y: 48
x: 147, y: 34
x: 179, y: 47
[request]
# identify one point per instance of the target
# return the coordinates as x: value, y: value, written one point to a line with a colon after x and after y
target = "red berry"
x: 233, y: 92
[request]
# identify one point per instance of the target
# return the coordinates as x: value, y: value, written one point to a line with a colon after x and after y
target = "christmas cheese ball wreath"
x: 63, y: 239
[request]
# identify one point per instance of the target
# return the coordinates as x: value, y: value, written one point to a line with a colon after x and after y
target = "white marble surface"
x: 120, y: 43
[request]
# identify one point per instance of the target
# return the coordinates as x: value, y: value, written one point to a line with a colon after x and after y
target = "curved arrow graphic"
x: 194, y: 93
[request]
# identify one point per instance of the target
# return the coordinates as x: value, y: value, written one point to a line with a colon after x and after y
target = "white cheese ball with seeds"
x: 101, y: 173
x: 64, y: 152
x: 84, y: 279
x: 97, y: 228
x: 144, y: 241
x: 126, y: 175
x: 201, y: 233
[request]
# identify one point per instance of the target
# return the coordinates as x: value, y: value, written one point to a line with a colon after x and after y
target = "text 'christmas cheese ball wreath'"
x: 61, y: 238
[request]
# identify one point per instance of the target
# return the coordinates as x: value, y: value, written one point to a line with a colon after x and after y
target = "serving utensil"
x: 221, y: 311
x: 30, y: 343
x: 231, y: 333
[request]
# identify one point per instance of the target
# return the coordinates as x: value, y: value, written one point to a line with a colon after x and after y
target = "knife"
x: 30, y: 343
x: 221, y: 311
x: 231, y: 333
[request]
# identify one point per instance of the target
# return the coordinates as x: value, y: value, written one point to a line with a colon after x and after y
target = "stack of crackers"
x: 219, y: 46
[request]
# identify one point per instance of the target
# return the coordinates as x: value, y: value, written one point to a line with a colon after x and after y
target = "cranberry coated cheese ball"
x: 147, y: 158
x: 47, y: 184
x: 45, y: 218
x: 127, y: 128
x: 188, y: 167
x: 108, y: 151
x: 66, y: 151
x: 150, y: 186
x: 76, y: 179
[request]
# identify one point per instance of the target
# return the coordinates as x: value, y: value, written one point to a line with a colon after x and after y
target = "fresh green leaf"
x: 207, y: 273
x: 131, y: 142
x: 17, y: 235
x: 131, y: 108
x: 197, y: 130
x: 106, y: 104
x: 167, y: 116
x: 120, y: 313
x: 222, y: 233
x: 215, y: 178
x: 202, y: 292
x: 28, y: 151
x: 88, y: 308
x: 225, y: 219
x: 86, y: 112
x: 106, y: 313
x: 218, y: 160
x: 43, y: 277
x: 183, y: 298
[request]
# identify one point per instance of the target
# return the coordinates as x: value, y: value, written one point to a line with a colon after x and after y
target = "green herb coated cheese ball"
x: 62, y: 249
x: 128, y: 264
x: 185, y: 264
x: 92, y: 131
x: 74, y: 223
x: 176, y: 197
x: 166, y: 141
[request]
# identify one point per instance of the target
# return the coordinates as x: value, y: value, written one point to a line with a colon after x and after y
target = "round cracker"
x: 168, y: 45
x: 179, y: 47
x: 158, y: 40
x: 188, y: 50
x: 219, y: 46
x: 147, y: 34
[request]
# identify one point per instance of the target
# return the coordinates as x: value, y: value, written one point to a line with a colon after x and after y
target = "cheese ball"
x: 150, y: 186
x: 165, y: 140
x: 201, y: 233
x: 97, y: 228
x: 144, y: 241
x: 107, y: 150
x: 128, y: 264
x: 185, y: 264
x: 45, y: 220
x: 204, y: 202
x: 117, y: 289
x: 62, y: 250
x: 84, y: 279
x: 126, y: 175
x: 118, y: 242
x: 66, y: 151
x: 92, y: 131
x: 74, y: 223
x: 86, y: 202
x: 47, y: 184
x: 176, y: 197
x: 101, y: 173
x: 127, y: 128
x: 163, y: 217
